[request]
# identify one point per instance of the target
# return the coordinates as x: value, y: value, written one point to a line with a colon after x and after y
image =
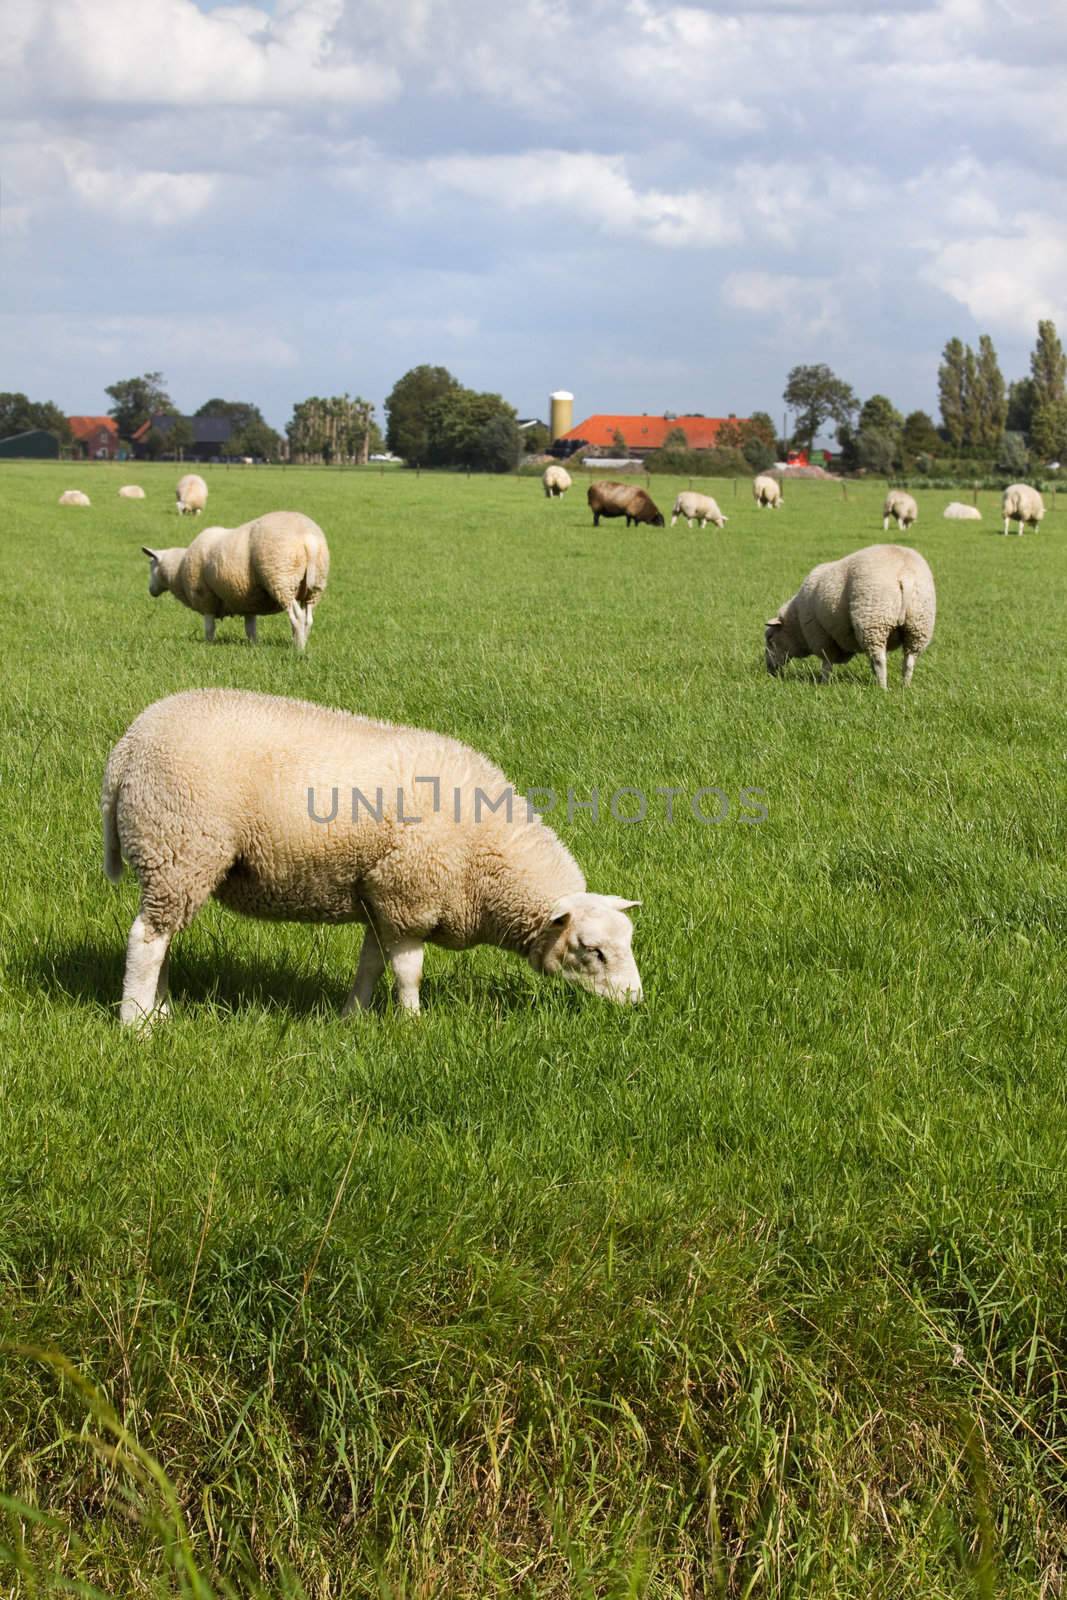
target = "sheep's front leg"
x: 250, y: 629
x: 370, y: 968
x: 910, y: 658
x: 209, y: 630
x: 878, y: 666
x: 827, y: 668
x: 144, y: 987
x: 405, y: 959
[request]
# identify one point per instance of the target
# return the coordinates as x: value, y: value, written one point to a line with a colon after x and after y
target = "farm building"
x: 642, y: 434
x: 211, y: 436
x: 97, y: 437
x: 36, y: 443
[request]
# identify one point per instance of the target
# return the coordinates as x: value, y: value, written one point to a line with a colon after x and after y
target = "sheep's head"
x: 657, y: 520
x: 161, y: 568
x: 587, y: 941
x: 775, y: 644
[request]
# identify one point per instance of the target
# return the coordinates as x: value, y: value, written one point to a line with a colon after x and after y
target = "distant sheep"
x: 557, y: 480
x: 131, y: 491
x: 279, y: 562
x: 878, y: 599
x: 767, y: 491
x: 608, y: 499
x: 901, y: 507
x: 74, y: 497
x: 956, y: 511
x: 1023, y: 505
x: 218, y: 792
x: 191, y: 494
x: 702, y: 506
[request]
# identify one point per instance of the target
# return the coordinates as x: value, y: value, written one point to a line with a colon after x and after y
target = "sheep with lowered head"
x: 700, y: 506
x: 295, y: 812
x: 191, y: 494
x: 766, y: 491
x: 131, y: 491
x: 557, y: 480
x: 901, y: 507
x: 74, y: 497
x: 874, y: 600
x: 279, y: 562
x: 957, y: 511
x: 609, y: 499
x: 1022, y: 504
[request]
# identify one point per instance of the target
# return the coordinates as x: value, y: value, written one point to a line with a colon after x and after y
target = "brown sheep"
x: 607, y: 499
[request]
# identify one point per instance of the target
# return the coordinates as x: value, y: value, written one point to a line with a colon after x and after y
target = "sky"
x: 656, y: 206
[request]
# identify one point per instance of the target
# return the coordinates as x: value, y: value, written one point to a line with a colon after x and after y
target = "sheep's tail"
x: 108, y: 812
x: 906, y: 584
x: 311, y: 571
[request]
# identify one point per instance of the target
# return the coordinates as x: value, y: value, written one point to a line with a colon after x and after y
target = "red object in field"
x: 797, y: 458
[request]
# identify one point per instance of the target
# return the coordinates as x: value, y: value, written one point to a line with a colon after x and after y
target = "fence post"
x: 844, y: 489
x: 976, y: 494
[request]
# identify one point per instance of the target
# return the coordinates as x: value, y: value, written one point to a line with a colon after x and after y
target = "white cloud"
x: 805, y: 305
x: 1009, y: 279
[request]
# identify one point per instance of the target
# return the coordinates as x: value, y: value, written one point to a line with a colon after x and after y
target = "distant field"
x: 760, y: 1289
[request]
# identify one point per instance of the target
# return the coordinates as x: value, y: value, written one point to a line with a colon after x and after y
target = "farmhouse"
x: 643, y: 433
x: 211, y: 436
x: 96, y: 437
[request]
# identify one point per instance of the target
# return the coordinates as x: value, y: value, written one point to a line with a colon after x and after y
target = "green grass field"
x: 758, y: 1289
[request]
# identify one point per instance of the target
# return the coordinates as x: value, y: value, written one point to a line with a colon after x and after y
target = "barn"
x: 35, y: 444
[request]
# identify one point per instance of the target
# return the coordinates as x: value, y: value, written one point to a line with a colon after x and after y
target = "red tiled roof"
x: 81, y: 426
x: 648, y: 433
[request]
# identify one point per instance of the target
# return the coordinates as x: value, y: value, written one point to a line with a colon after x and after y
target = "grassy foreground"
x: 760, y: 1289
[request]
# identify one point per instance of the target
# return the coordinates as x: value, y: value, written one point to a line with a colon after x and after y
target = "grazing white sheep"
x: 956, y: 511
x: 131, y: 491
x: 74, y: 497
x: 557, y: 480
x: 901, y: 507
x: 878, y: 599
x: 1022, y: 504
x: 191, y: 494
x: 279, y: 562
x: 237, y: 795
x: 691, y: 505
x: 767, y: 491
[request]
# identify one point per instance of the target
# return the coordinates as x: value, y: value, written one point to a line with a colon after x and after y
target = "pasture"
x: 757, y: 1289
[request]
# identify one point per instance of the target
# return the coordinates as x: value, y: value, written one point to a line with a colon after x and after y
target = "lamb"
x: 233, y: 794
x: 690, y: 505
x: 191, y: 494
x: 767, y: 491
x: 956, y: 511
x: 131, y: 491
x: 901, y: 507
x: 1022, y: 504
x: 279, y: 562
x: 74, y: 497
x: 557, y: 480
x: 878, y: 599
x: 608, y: 499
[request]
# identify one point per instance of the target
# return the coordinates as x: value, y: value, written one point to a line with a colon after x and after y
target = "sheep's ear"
x: 618, y: 904
x: 773, y: 622
x: 560, y: 914
x: 153, y: 555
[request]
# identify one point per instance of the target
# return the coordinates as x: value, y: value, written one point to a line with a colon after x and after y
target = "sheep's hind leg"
x: 250, y: 629
x: 370, y: 968
x: 405, y: 959
x: 878, y: 666
x: 209, y: 630
x: 910, y: 658
x: 827, y: 668
x: 298, y: 623
x: 144, y: 987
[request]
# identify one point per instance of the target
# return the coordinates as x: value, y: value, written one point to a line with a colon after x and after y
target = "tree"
x: 919, y: 437
x: 730, y: 435
x: 256, y: 439
x: 333, y: 429
x: 1013, y: 456
x: 180, y: 436
x: 951, y: 391
x: 972, y: 417
x: 154, y: 444
x: 408, y: 409
x: 990, y: 402
x: 240, y: 412
x: 879, y: 415
x: 876, y: 449
x: 618, y: 443
x: 456, y: 430
x: 1020, y: 406
x: 1048, y: 430
x: 498, y: 444
x: 676, y: 440
x: 137, y: 399
x: 19, y: 414
x: 535, y: 439
x: 1048, y: 366
x: 758, y: 441
x: 817, y: 396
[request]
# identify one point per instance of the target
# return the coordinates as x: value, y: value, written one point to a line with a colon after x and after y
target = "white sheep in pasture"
x: 557, y: 480
x: 74, y: 497
x: 1022, y: 504
x: 766, y: 491
x: 878, y: 599
x: 956, y: 511
x: 279, y: 562
x: 238, y: 795
x: 191, y: 494
x: 131, y: 491
x: 691, y: 505
x: 901, y: 507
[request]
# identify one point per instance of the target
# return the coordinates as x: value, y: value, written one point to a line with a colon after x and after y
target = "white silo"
x: 560, y: 413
